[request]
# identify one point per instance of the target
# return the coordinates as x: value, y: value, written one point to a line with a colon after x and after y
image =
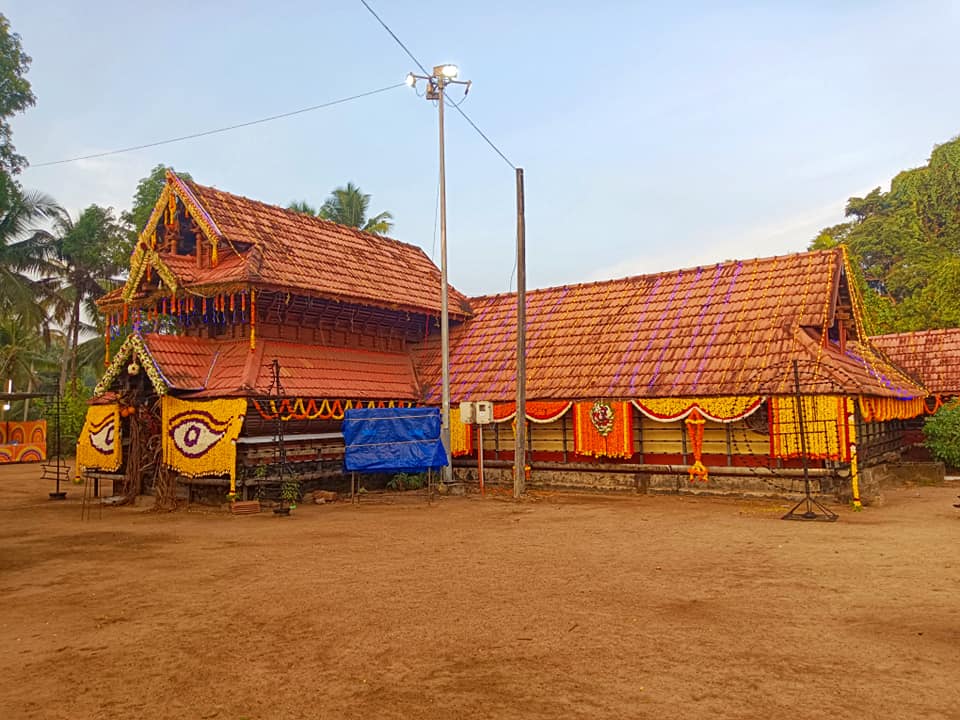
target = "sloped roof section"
x: 727, y: 329
x: 298, y: 252
x: 932, y: 356
x: 227, y: 368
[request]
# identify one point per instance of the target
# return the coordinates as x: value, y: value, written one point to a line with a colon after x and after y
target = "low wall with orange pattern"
x: 22, y: 442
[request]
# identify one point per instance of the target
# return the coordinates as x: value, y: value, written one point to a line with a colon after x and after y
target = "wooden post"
x: 480, y: 457
x: 520, y: 445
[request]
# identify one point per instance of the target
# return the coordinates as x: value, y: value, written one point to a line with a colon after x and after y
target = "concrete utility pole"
x: 442, y: 76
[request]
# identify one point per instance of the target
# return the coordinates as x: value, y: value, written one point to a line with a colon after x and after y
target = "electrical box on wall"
x: 467, y: 414
x: 484, y: 414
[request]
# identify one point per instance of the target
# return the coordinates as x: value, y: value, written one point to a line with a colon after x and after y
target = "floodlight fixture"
x: 450, y: 72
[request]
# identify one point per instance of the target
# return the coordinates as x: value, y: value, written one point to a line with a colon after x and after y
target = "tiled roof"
x: 294, y: 251
x: 727, y: 329
x: 932, y: 356
x: 216, y: 368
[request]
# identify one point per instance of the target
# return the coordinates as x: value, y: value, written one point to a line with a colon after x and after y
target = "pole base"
x: 62, y: 495
x: 807, y: 509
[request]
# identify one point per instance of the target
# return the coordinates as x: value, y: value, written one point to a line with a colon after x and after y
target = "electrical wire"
x: 426, y: 72
x: 394, y: 36
x: 220, y: 130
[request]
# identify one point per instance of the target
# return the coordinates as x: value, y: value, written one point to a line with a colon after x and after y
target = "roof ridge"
x: 664, y: 273
x: 316, y: 218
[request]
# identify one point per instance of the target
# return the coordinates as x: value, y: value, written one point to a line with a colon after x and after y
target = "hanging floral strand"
x: 695, y: 423
x: 253, y: 320
x: 106, y: 342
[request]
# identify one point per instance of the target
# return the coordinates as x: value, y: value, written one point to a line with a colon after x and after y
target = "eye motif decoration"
x: 195, y: 432
x: 102, y: 436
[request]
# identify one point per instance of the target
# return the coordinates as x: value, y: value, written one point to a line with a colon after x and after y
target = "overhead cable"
x: 219, y: 130
x: 427, y: 72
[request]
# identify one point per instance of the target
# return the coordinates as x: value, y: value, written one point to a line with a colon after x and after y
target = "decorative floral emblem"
x: 195, y: 432
x: 133, y: 368
x: 601, y: 415
x: 102, y: 437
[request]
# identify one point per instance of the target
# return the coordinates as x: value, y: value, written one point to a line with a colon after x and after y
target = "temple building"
x: 933, y: 358
x: 241, y: 321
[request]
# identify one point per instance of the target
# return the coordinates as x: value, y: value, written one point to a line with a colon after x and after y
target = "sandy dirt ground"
x: 563, y: 606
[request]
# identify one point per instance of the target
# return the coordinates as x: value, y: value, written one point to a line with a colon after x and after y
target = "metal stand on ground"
x: 809, y: 504
x: 89, y: 496
x: 279, y: 448
x: 59, y: 494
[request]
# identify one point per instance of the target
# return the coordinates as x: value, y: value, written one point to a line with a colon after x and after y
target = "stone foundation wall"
x: 648, y: 483
x: 874, y: 480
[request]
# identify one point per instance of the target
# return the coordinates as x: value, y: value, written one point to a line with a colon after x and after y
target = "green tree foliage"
x: 905, y: 245
x: 15, y: 97
x: 73, y: 412
x: 144, y: 200
x: 87, y: 254
x: 24, y: 257
x: 347, y: 206
x: 302, y: 207
x: 942, y: 434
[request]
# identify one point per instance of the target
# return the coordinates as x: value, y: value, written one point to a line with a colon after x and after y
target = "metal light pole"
x: 442, y: 76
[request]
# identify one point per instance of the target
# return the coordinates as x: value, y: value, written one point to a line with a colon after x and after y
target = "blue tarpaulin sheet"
x: 393, y: 440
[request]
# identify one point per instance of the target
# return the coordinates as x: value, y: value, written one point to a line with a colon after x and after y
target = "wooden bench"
x: 97, y: 476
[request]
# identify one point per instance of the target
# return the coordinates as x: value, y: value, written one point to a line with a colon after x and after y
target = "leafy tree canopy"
x: 905, y: 245
x: 15, y: 96
x: 145, y: 198
x: 347, y: 206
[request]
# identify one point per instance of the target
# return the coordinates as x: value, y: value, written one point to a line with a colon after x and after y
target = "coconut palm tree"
x: 303, y: 207
x: 25, y: 254
x: 347, y: 206
x: 84, y: 260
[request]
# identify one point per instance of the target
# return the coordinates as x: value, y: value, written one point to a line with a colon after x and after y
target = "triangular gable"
x: 177, y: 189
x: 141, y: 259
x: 146, y: 254
x: 133, y: 347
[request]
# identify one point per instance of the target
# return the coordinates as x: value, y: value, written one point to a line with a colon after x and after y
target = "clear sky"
x: 653, y: 135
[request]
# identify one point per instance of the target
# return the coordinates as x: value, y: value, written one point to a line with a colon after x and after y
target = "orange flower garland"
x: 300, y: 409
x: 875, y: 409
x: 253, y: 320
x: 825, y: 428
x: 587, y: 439
x: 538, y: 411
x: 695, y: 423
x: 461, y: 435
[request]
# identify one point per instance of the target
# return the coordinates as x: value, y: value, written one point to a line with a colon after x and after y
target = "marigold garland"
x: 253, y: 320
x: 882, y: 409
x: 99, y: 446
x: 719, y: 409
x: 937, y: 404
x: 587, y: 440
x: 695, y: 423
x: 311, y: 409
x: 825, y: 428
x: 198, y: 436
x: 461, y: 435
x: 537, y: 411
x: 133, y: 345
